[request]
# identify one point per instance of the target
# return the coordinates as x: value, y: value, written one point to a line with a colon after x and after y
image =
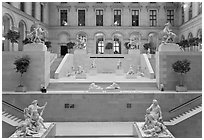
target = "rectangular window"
x: 200, y: 8
x: 63, y: 17
x: 41, y: 13
x: 22, y: 6
x: 170, y: 16
x: 117, y: 17
x: 135, y: 17
x: 81, y: 17
x: 153, y: 17
x: 190, y: 11
x: 182, y: 15
x: 33, y: 9
x: 99, y: 17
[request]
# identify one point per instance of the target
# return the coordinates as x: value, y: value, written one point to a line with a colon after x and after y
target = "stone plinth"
x: 119, y: 72
x: 169, y: 47
x: 93, y: 72
x: 80, y: 76
x: 34, y: 47
x: 95, y: 90
x: 134, y: 76
x: 80, y: 51
x: 50, y: 132
x: 133, y: 51
x: 138, y: 127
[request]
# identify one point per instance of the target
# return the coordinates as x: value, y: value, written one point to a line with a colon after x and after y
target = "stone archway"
x: 63, y: 40
x: 199, y: 33
x: 8, y: 24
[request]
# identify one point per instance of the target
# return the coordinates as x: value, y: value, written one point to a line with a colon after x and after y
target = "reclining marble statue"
x: 33, y: 122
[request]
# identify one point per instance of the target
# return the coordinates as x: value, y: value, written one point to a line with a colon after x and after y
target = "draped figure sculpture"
x: 168, y: 35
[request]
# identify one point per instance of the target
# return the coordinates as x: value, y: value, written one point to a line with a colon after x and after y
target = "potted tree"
x: 70, y: 46
x: 22, y: 65
x: 48, y: 45
x: 109, y: 47
x: 181, y: 67
x: 13, y: 36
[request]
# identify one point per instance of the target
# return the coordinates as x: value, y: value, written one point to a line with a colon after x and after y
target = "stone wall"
x: 166, y: 75
x: 38, y: 72
x: 102, y: 106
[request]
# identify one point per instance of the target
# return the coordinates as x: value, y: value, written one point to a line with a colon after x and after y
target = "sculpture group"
x: 37, y: 34
x: 154, y: 125
x: 33, y: 122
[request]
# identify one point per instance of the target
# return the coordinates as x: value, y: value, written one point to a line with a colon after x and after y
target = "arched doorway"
x: 22, y: 31
x: 100, y: 41
x: 7, y: 25
x: 63, y: 40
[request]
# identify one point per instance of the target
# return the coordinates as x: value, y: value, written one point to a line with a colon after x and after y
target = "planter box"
x: 80, y: 76
x: 80, y: 51
x: 181, y: 88
x: 20, y: 89
x: 119, y: 72
x: 133, y: 51
x: 93, y: 72
x: 131, y: 76
x: 34, y: 47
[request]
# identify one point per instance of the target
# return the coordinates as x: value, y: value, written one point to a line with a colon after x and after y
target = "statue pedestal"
x: 80, y: 51
x: 93, y: 71
x: 80, y: 76
x: 50, y: 132
x: 95, y: 90
x: 35, y: 47
x: 119, y: 72
x: 134, y: 76
x: 133, y: 51
x: 137, y: 129
x: 169, y: 47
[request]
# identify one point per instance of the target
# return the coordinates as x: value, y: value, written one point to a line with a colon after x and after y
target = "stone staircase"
x: 184, y: 115
x: 11, y: 119
x: 54, y: 66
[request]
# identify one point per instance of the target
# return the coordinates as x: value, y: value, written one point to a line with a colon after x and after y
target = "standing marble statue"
x: 37, y: 34
x: 168, y: 34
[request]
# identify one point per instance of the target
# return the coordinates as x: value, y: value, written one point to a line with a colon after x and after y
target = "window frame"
x: 152, y: 19
x: 80, y: 9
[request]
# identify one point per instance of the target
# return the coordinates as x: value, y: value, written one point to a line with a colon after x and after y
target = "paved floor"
x: 84, y: 129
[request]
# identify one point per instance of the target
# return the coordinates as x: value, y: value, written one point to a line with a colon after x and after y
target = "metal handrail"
x: 12, y: 106
x: 185, y: 104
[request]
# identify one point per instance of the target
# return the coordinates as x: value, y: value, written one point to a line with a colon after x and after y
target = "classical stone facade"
x: 20, y: 16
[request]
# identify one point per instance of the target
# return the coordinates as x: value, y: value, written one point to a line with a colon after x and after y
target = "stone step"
x: 54, y: 66
x: 94, y: 129
x: 11, y: 119
x: 63, y: 86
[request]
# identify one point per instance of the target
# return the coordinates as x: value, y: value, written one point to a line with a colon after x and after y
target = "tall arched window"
x: 182, y: 37
x: 116, y: 46
x: 199, y: 33
x: 190, y: 35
